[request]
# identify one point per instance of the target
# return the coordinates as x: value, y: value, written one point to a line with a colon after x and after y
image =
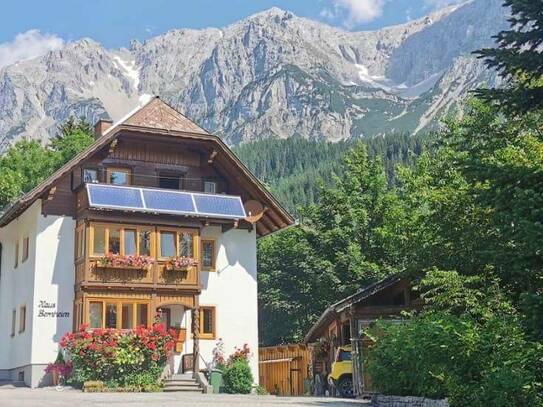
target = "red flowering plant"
x: 133, y: 358
x: 132, y: 261
x: 60, y: 369
x: 180, y: 263
x: 243, y: 353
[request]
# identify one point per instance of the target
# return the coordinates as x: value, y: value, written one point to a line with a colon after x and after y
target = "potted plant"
x: 134, y: 262
x: 59, y: 370
x: 180, y: 263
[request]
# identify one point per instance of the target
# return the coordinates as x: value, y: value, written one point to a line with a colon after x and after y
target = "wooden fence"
x: 283, y: 369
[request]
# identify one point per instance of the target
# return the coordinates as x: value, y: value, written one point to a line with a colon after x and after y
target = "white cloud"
x: 354, y: 11
x: 27, y: 45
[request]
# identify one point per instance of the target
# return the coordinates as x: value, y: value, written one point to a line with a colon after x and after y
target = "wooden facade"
x: 285, y: 369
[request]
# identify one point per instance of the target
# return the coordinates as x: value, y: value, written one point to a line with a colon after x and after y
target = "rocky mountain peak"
x: 271, y: 74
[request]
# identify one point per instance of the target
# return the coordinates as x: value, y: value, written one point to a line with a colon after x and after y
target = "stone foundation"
x: 397, y: 401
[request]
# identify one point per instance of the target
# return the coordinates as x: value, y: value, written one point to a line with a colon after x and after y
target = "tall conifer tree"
x: 518, y: 58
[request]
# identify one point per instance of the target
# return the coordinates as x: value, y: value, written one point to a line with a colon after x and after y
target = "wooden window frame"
x: 90, y: 169
x: 13, y: 322
x: 22, y: 318
x: 118, y: 301
x: 80, y: 241
x: 16, y: 254
x: 213, y: 255
x: 26, y: 249
x: 210, y: 181
x: 122, y: 228
x: 213, y: 334
x: 178, y: 232
x: 126, y: 170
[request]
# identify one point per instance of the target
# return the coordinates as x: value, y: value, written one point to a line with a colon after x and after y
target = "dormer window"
x: 118, y: 176
x: 90, y: 175
x: 210, y: 187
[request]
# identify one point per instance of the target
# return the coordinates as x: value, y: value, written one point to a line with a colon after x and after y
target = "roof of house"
x: 157, y: 117
x: 335, y: 309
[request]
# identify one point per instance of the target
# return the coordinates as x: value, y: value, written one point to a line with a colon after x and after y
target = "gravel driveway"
x: 24, y: 397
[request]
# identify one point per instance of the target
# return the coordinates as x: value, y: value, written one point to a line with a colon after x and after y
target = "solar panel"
x: 110, y: 196
x: 168, y: 201
x: 165, y: 201
x: 224, y: 206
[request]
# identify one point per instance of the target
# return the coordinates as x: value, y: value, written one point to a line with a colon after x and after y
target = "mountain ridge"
x: 270, y: 74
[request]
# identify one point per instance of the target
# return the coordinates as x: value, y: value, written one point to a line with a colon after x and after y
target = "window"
x: 144, y: 241
x: 114, y: 242
x: 99, y: 240
x: 22, y: 319
x: 117, y: 313
x: 13, y: 322
x: 186, y: 241
x: 210, y: 187
x: 119, y: 176
x: 90, y: 175
x: 95, y: 315
x: 207, y: 322
x: 80, y: 242
x: 176, y: 243
x: 141, y: 315
x: 168, y: 244
x: 26, y: 242
x: 111, y: 315
x: 16, y: 254
x: 168, y: 180
x: 208, y: 255
x: 129, y: 240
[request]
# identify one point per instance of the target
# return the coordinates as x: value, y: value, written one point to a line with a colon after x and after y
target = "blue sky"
x: 31, y: 27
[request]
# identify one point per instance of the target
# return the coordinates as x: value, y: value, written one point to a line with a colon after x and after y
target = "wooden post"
x: 356, y: 353
x: 196, y: 339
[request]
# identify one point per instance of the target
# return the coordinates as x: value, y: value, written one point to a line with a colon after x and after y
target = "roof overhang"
x: 275, y: 217
x: 333, y: 311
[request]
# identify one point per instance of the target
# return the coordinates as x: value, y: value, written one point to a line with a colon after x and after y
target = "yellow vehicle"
x: 341, y: 375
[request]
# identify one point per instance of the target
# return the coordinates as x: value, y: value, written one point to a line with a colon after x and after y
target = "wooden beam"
x: 212, y: 157
x: 51, y: 193
x: 112, y: 146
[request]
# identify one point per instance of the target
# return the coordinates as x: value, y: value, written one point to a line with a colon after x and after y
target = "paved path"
x: 24, y: 397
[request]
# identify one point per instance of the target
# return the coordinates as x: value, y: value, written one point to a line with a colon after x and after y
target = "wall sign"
x: 47, y: 310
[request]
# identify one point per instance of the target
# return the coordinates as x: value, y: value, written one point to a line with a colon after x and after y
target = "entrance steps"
x: 182, y: 382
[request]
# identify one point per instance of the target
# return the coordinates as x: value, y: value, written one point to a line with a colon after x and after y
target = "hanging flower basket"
x: 132, y: 262
x: 180, y: 263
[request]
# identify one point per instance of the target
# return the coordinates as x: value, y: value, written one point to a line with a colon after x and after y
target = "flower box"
x: 181, y: 264
x: 132, y: 262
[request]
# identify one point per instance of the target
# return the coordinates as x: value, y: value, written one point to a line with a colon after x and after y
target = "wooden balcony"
x: 90, y: 273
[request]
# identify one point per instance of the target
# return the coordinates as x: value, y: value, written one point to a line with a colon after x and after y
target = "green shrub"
x: 475, y: 364
x: 261, y: 391
x: 238, y: 378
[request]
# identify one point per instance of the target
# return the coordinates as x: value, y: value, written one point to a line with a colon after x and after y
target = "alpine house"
x: 156, y: 219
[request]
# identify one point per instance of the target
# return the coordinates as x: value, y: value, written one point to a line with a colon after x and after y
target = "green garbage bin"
x: 216, y: 380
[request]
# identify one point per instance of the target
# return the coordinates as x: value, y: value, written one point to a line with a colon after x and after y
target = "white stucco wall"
x: 232, y: 289
x: 47, y: 275
x: 54, y: 285
x: 16, y: 288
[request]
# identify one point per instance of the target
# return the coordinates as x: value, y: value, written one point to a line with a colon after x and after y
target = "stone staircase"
x: 182, y: 382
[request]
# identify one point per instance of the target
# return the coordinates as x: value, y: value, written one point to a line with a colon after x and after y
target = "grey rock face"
x: 271, y: 74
